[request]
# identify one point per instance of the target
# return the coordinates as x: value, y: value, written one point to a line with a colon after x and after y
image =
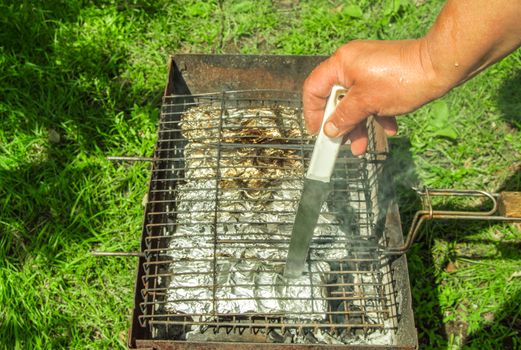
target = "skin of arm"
x: 390, y: 78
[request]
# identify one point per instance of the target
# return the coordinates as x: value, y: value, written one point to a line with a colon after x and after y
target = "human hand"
x: 383, y: 78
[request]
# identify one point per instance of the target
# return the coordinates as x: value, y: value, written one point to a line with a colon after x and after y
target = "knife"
x: 315, y: 192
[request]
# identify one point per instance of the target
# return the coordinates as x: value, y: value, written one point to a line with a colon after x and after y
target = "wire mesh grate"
x: 226, y: 180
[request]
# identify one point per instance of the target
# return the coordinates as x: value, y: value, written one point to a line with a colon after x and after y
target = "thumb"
x: 316, y: 90
x: 347, y: 115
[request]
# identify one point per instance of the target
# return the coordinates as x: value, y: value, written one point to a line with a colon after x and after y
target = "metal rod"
x: 170, y: 320
x: 130, y: 159
x: 428, y: 213
x: 98, y: 253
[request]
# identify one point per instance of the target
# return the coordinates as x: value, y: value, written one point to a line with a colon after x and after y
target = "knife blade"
x: 315, y: 191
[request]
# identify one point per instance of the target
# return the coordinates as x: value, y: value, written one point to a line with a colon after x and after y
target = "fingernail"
x: 331, y: 130
x: 390, y: 132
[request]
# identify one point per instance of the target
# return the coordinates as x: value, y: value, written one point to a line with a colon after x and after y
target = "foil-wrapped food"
x: 246, y: 172
x: 234, y: 215
x: 212, y: 124
x: 252, y: 202
x: 244, y: 286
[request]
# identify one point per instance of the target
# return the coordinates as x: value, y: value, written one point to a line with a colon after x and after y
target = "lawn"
x: 81, y: 80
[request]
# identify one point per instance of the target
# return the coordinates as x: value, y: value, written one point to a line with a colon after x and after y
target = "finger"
x: 347, y: 115
x: 316, y: 90
x: 388, y: 124
x: 359, y: 139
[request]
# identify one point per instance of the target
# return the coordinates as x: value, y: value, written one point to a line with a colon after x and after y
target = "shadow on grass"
x: 433, y: 333
x: 70, y: 87
x: 504, y: 326
x: 53, y: 192
x: 509, y: 101
x: 41, y: 95
x: 426, y: 307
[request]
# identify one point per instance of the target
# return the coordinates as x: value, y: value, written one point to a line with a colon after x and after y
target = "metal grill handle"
x: 506, y: 207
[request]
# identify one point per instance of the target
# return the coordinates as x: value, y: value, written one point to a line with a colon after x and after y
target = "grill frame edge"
x: 237, y: 72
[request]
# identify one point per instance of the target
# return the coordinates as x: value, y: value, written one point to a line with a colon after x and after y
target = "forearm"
x: 470, y: 35
x: 390, y: 78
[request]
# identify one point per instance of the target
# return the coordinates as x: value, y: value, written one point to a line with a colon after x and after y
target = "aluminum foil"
x: 245, y: 287
x: 247, y: 208
x: 248, y: 171
x: 210, y: 124
x: 234, y: 213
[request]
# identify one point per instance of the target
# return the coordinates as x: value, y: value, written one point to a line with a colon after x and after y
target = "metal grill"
x: 349, y: 281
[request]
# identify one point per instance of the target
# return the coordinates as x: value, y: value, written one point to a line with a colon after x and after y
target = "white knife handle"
x: 326, y: 149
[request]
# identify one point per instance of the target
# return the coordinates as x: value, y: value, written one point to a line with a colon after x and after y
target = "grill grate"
x: 352, y: 295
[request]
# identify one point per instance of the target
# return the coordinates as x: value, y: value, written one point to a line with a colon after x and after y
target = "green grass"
x: 80, y: 80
